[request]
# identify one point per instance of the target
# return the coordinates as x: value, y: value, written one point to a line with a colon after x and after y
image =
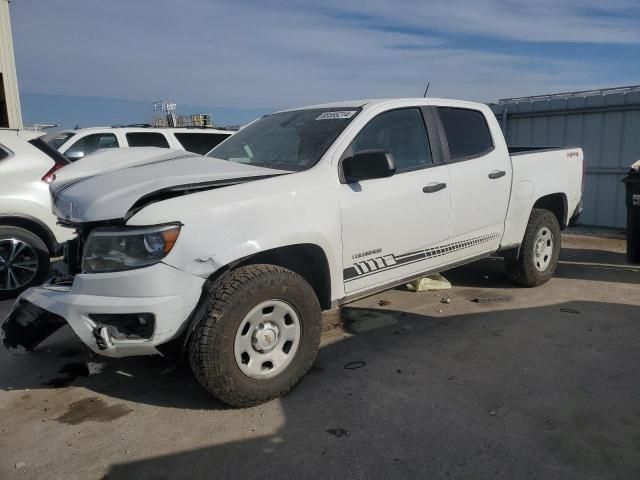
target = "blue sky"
x: 97, y: 62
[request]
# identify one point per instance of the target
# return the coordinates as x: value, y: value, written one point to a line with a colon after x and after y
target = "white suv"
x: 29, y: 233
x: 76, y: 144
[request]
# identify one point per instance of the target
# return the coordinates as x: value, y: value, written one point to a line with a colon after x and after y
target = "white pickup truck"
x: 231, y: 257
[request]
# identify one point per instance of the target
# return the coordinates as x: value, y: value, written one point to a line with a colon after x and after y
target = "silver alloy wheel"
x: 267, y: 339
x: 18, y: 264
x: 543, y: 249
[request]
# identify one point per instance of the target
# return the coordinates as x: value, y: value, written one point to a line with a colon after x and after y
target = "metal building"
x: 10, y: 115
x: 605, y: 123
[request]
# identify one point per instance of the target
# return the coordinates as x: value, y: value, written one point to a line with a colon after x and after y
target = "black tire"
x: 523, y: 271
x: 39, y: 253
x: 211, y: 345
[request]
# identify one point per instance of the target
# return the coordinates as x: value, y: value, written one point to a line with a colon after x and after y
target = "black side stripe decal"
x: 372, y: 266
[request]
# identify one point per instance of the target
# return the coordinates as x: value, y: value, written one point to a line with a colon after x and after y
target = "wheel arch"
x: 33, y: 225
x: 557, y: 204
x: 299, y: 258
x: 306, y: 259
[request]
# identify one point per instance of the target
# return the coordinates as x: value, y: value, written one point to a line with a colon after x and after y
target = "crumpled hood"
x: 107, y: 185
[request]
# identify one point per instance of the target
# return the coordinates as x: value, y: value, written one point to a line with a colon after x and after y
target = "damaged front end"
x: 28, y: 325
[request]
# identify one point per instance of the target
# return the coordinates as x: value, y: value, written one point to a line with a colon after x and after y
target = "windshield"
x: 292, y: 141
x: 57, y: 139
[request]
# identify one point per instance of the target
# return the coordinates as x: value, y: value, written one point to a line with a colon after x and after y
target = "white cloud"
x: 280, y: 54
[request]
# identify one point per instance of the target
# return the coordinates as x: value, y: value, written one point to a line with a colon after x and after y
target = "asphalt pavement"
x: 496, y: 382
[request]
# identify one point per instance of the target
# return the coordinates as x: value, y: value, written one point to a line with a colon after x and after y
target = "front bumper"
x: 164, y: 293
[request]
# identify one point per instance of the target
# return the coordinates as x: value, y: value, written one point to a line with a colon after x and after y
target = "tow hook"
x: 103, y: 340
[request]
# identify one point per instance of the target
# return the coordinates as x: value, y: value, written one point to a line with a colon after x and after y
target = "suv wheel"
x: 539, y: 252
x: 24, y: 261
x: 259, y: 336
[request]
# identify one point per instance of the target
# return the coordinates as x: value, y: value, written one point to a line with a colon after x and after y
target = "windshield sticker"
x: 337, y: 115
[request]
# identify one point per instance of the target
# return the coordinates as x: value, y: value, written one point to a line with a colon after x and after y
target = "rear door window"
x: 147, y: 139
x: 56, y: 140
x: 89, y: 144
x: 4, y: 153
x: 48, y: 150
x: 200, y: 142
x: 467, y: 132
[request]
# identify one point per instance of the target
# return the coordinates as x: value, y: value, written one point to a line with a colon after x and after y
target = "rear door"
x: 480, y: 180
x: 389, y: 225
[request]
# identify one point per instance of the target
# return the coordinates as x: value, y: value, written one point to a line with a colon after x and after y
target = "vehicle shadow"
x: 578, y: 264
x: 549, y: 392
x: 62, y: 360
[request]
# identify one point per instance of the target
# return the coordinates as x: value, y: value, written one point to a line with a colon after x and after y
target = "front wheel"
x: 539, y: 252
x: 259, y: 336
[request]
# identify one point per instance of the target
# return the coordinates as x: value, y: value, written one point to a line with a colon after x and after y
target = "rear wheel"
x: 539, y: 252
x: 24, y: 261
x: 259, y: 336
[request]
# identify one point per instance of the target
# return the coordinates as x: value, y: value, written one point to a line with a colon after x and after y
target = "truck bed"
x: 521, y: 150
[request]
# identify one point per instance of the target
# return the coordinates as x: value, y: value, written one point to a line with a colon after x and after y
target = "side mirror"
x: 74, y: 155
x: 368, y: 164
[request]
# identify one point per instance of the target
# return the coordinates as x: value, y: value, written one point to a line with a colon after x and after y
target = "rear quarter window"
x: 4, y: 153
x: 467, y: 132
x: 200, y: 142
x: 147, y: 139
x: 56, y: 140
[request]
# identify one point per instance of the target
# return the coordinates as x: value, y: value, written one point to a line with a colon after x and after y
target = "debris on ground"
x: 384, y: 303
x: 570, y: 310
x: 338, y: 432
x: 21, y: 465
x: 445, y: 300
x: 490, y: 299
x: 354, y: 365
x: 428, y: 284
x: 95, y: 368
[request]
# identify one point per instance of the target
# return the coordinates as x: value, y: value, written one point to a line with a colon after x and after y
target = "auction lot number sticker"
x: 336, y: 115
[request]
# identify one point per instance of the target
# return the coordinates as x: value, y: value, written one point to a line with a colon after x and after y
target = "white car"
x: 29, y: 233
x: 231, y: 257
x: 76, y: 144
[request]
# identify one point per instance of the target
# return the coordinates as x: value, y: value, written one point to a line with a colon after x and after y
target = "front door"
x: 389, y: 224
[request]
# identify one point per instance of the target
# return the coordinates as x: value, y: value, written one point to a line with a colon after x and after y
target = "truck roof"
x: 369, y: 103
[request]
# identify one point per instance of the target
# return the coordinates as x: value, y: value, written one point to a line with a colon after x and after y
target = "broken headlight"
x: 112, y: 249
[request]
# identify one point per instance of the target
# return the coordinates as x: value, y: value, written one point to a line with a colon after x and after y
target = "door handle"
x: 434, y: 187
x: 497, y: 174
